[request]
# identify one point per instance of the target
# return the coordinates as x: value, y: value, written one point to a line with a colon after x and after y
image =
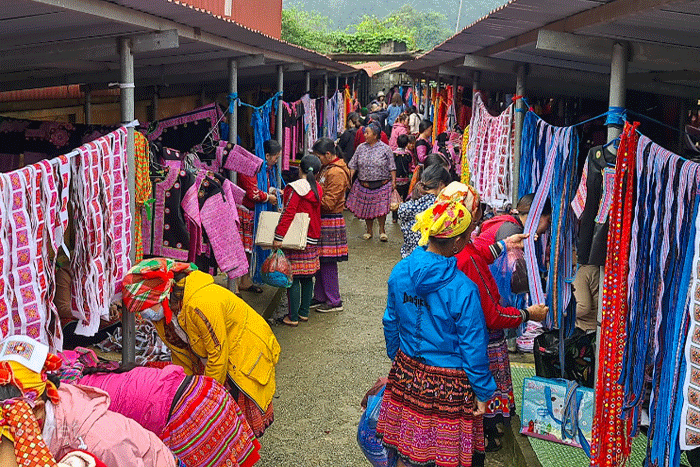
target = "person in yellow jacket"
x: 210, y: 331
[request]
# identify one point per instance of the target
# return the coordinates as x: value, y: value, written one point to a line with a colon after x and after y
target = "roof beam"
x: 495, y: 65
x: 445, y: 70
x: 657, y: 56
x: 605, y: 13
x: 125, y: 15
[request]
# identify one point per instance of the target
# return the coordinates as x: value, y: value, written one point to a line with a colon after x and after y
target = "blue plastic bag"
x: 371, y: 446
x: 276, y: 270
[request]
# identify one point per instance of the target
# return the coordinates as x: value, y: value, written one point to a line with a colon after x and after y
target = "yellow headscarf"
x: 450, y: 216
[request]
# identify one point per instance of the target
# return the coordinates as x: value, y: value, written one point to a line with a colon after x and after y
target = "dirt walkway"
x: 329, y: 363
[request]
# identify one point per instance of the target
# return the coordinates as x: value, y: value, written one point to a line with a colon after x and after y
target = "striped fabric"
x: 427, y: 415
x: 305, y: 263
x: 208, y: 429
x: 333, y: 244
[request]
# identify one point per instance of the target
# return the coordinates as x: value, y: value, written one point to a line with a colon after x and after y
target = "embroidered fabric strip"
x: 100, y: 201
x: 611, y: 440
x: 143, y: 189
x: 556, y: 182
x: 490, y: 154
x: 690, y: 414
x: 310, y: 121
x: 466, y: 173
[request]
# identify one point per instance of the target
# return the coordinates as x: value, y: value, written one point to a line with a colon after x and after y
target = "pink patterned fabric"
x: 490, y: 153
x: 100, y: 200
x: 579, y: 202
x: 220, y: 220
x: 242, y: 161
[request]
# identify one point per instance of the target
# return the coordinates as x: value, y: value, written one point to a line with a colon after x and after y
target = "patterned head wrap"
x: 24, y: 363
x: 149, y: 283
x: 450, y: 216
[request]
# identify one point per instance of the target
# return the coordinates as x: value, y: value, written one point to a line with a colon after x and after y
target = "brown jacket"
x: 335, y: 180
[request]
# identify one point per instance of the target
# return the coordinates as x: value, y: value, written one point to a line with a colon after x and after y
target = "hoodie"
x: 298, y: 197
x: 433, y: 314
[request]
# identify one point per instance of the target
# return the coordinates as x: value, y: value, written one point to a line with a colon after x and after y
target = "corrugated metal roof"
x: 510, y: 33
x: 32, y: 32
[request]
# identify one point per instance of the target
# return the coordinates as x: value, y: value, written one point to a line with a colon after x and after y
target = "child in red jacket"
x: 302, y: 195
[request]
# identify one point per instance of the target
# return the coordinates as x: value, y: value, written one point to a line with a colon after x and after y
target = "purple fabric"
x: 327, y: 289
x: 234, y: 192
x: 373, y: 163
x: 242, y: 161
x: 220, y: 220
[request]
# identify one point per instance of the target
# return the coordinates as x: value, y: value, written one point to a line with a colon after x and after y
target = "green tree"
x: 428, y: 28
x: 307, y: 29
x: 370, y: 33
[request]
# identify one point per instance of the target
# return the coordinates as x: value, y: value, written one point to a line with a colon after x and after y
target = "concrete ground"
x: 329, y: 363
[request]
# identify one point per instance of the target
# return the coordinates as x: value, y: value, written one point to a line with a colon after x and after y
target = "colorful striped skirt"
x: 427, y: 415
x: 305, y: 263
x: 333, y: 244
x: 502, y: 404
x: 259, y: 421
x: 207, y: 428
x: 366, y: 203
x: 247, y: 219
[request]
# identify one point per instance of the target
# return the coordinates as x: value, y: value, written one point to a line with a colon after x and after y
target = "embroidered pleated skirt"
x: 367, y: 203
x: 305, y: 263
x: 247, y: 219
x: 427, y: 416
x: 333, y: 244
x: 502, y: 404
x: 208, y: 429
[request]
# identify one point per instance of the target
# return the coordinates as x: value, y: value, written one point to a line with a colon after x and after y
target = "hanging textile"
x: 556, y: 183
x: 347, y: 105
x: 33, y: 220
x: 611, y: 441
x: 466, y: 173
x: 186, y: 132
x: 100, y: 201
x: 665, y: 195
x: 331, y: 130
x: 26, y: 142
x: 267, y: 176
x: 490, y: 154
x: 143, y: 191
x: 310, y: 123
x: 342, y: 116
x: 690, y: 393
x: 532, y: 155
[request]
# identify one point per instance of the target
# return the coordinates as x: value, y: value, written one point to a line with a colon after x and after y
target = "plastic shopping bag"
x: 276, y: 270
x: 395, y: 201
x: 371, y: 446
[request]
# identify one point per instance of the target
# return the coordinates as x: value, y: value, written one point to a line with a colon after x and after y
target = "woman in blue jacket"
x: 435, y: 333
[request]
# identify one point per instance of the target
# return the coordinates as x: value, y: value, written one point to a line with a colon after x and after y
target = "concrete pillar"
x: 155, y: 102
x: 618, y: 98
x: 88, y: 106
x: 337, y: 82
x: 278, y: 127
x: 476, y: 82
x: 519, y: 119
x: 426, y: 110
x: 127, y: 115
x: 618, y: 83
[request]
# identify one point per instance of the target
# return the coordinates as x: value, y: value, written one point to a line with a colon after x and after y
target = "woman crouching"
x: 435, y: 333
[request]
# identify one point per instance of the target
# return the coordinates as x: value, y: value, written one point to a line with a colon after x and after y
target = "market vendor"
x: 210, y: 331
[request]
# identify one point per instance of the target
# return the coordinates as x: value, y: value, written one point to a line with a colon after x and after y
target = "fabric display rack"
x: 87, y: 184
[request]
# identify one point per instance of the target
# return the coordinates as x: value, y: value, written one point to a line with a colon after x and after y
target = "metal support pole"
x: 88, y: 106
x: 426, y: 110
x: 154, y: 102
x: 127, y: 114
x: 278, y: 127
x: 519, y: 119
x: 337, y: 82
x: 325, y: 104
x: 231, y: 284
